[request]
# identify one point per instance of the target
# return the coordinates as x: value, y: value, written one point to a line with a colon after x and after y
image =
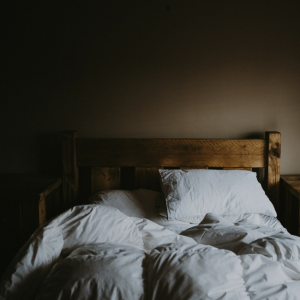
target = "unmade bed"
x: 162, y: 219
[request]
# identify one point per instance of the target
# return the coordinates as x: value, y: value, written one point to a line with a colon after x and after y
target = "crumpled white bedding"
x: 151, y: 205
x: 97, y: 252
x: 139, y: 203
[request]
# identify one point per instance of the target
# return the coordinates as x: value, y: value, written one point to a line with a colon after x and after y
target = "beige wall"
x: 202, y: 69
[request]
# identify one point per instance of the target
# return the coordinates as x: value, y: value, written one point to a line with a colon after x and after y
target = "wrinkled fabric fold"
x: 97, y: 252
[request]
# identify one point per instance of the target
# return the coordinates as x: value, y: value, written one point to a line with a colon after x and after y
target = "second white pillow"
x: 194, y: 193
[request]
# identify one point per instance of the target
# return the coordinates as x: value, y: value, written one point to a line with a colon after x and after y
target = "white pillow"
x: 193, y: 193
x: 162, y: 211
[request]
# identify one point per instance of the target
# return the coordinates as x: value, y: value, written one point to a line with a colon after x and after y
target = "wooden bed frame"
x: 91, y: 165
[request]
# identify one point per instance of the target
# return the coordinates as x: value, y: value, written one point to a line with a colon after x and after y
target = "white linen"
x: 178, y: 228
x: 95, y: 224
x: 277, y: 247
x: 191, y: 194
x: 272, y: 267
x: 155, y: 235
x: 140, y: 259
x: 182, y: 271
x: 76, y: 227
x: 139, y: 203
x: 260, y: 219
x: 32, y: 264
x: 136, y: 203
x: 242, y: 219
x: 221, y: 233
x: 143, y: 203
x: 110, y: 271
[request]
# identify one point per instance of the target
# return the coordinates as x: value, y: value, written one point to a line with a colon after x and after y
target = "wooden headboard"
x: 91, y: 165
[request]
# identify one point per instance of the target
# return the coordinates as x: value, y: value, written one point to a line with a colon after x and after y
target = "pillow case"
x: 193, y: 193
x: 162, y: 211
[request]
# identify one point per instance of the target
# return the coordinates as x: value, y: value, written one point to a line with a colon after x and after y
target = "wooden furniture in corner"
x: 91, y: 165
x: 290, y: 200
x: 26, y: 202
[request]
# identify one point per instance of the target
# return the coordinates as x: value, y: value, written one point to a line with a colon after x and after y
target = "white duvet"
x: 97, y: 252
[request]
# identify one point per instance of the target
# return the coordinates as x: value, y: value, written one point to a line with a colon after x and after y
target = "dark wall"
x: 176, y: 69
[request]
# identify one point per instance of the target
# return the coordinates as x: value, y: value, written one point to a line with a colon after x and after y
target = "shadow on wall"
x: 254, y: 135
x: 49, y: 155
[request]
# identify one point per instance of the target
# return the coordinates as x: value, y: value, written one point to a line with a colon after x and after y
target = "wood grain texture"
x: 170, y: 153
x: 51, y: 188
x: 245, y: 169
x: 139, y: 159
x: 292, y: 184
x: 105, y: 179
x: 273, y: 140
x: 195, y: 168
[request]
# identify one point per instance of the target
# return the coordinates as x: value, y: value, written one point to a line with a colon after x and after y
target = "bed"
x: 109, y: 246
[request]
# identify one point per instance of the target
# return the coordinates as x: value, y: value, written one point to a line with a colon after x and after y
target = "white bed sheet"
x: 164, y: 265
x: 139, y: 203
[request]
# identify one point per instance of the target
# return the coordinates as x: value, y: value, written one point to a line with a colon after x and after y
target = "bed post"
x: 273, y: 142
x: 70, y: 170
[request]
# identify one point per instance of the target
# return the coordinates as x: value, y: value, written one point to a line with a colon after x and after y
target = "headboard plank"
x: 199, y: 168
x: 246, y: 169
x: 171, y: 152
x: 105, y: 179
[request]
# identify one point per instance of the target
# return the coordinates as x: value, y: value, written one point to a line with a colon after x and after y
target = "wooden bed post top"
x: 134, y: 163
